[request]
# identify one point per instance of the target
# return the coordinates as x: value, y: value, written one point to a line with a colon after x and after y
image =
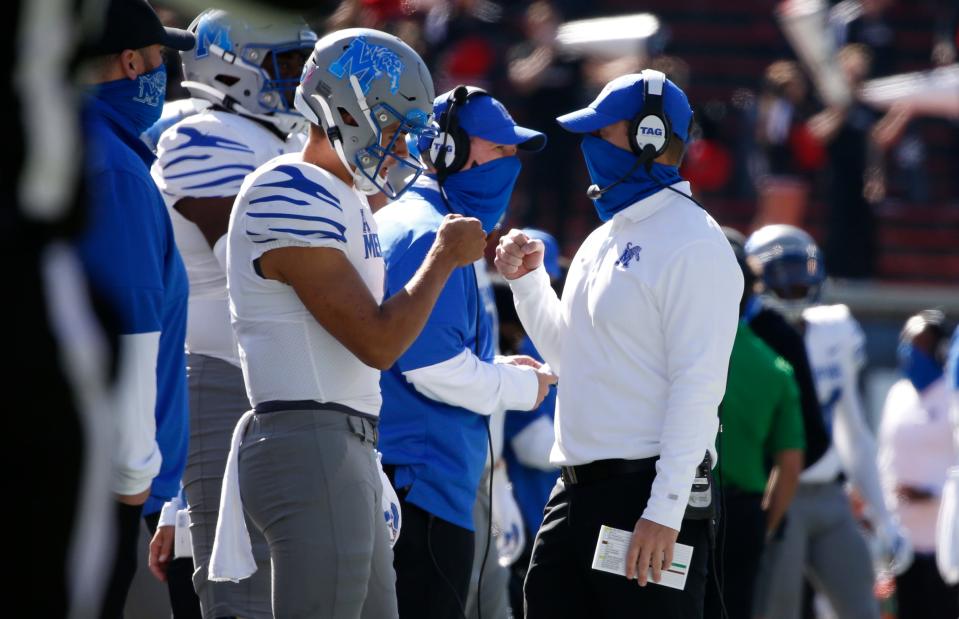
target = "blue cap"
x: 551, y: 255
x: 622, y: 99
x: 485, y: 117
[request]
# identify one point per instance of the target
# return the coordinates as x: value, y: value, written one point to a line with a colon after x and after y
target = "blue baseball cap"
x: 485, y: 117
x: 622, y: 99
x: 551, y: 255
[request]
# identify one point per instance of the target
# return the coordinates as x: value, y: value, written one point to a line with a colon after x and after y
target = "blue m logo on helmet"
x: 368, y: 62
x: 208, y: 33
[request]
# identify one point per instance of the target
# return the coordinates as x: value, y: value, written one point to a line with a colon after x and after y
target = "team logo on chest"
x: 629, y: 254
x: 371, y: 240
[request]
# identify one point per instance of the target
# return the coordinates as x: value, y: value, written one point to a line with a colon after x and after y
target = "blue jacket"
x: 132, y: 262
x: 439, y: 450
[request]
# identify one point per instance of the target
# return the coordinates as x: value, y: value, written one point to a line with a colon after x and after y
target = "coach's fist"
x: 517, y: 254
x: 460, y: 240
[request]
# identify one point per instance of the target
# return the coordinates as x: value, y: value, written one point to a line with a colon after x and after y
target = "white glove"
x: 390, y: 504
x: 894, y: 548
x: 507, y: 520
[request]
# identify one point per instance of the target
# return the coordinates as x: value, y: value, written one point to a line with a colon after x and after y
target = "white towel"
x: 232, y: 556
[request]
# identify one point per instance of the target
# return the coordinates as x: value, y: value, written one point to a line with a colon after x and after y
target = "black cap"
x: 132, y: 24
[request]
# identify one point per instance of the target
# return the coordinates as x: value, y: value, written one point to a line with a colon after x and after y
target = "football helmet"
x: 792, y: 268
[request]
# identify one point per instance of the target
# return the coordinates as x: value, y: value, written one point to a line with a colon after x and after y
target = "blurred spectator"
x: 708, y: 163
x: 867, y: 22
x: 762, y: 422
x: 946, y: 36
x: 548, y: 84
x: 855, y: 139
x: 916, y: 449
x: 788, y: 151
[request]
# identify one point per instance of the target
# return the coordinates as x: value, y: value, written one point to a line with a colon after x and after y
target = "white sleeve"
x: 201, y: 157
x: 541, y: 312
x: 854, y: 441
x: 699, y: 311
x: 290, y: 207
x: 169, y: 510
x: 475, y: 385
x: 533, y: 444
x: 137, y: 456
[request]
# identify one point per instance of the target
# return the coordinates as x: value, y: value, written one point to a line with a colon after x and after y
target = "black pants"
x: 179, y: 579
x: 561, y: 581
x: 433, y: 560
x: 183, y: 599
x: 922, y: 594
x: 739, y: 548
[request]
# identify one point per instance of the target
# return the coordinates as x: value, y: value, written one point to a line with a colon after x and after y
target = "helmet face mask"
x: 248, y: 67
x: 380, y: 84
x: 792, y: 268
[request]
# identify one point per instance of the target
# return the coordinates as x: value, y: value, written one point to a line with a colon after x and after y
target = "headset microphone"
x: 594, y: 191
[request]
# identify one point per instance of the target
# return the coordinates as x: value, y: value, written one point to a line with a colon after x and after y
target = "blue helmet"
x: 792, y: 267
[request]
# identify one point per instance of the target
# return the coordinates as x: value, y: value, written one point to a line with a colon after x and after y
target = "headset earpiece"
x: 650, y: 132
x: 450, y: 150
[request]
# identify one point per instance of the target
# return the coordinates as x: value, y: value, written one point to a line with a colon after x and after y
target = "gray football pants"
x: 217, y: 400
x: 309, y: 481
x: 821, y: 540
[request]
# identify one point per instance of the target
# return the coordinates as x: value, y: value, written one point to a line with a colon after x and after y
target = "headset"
x: 450, y: 149
x: 650, y: 131
x: 650, y: 134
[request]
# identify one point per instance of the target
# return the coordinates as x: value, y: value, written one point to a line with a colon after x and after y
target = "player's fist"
x: 460, y: 239
x: 517, y: 254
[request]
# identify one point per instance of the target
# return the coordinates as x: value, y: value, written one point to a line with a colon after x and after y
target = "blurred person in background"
x: 547, y: 83
x: 788, y: 152
x: 855, y: 138
x: 439, y: 394
x: 916, y: 449
x: 762, y: 423
x: 868, y: 23
x: 131, y: 259
x: 246, y: 70
x: 947, y: 526
x: 529, y: 437
x: 821, y: 538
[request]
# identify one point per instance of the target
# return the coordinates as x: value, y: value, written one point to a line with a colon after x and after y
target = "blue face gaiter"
x: 483, y: 191
x: 139, y: 101
x: 921, y: 369
x: 608, y: 163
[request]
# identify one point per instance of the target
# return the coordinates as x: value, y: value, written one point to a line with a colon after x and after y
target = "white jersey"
x: 207, y: 156
x: 284, y: 352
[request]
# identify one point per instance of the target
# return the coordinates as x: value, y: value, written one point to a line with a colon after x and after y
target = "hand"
x: 651, y: 546
x: 161, y: 551
x: 545, y: 378
x: 461, y: 239
x: 517, y: 255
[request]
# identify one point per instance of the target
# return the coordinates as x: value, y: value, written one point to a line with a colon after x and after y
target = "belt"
x: 605, y: 469
x: 275, y: 406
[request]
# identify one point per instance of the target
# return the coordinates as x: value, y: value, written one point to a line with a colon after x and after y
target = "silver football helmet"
x: 792, y: 268
x: 250, y: 68
x: 356, y: 83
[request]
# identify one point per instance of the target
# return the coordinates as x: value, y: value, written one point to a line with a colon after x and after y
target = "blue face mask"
x: 483, y: 191
x: 921, y: 369
x: 608, y: 163
x: 139, y: 101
